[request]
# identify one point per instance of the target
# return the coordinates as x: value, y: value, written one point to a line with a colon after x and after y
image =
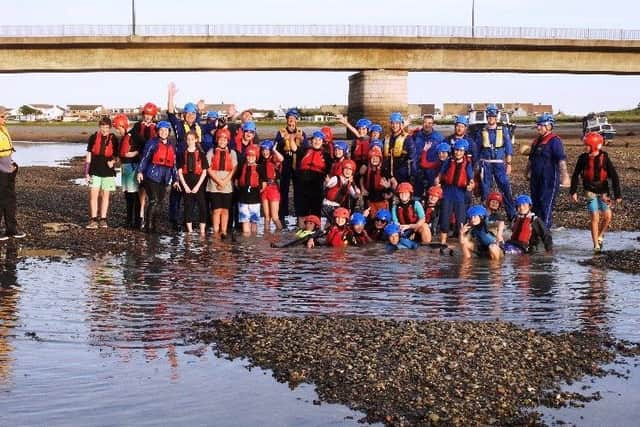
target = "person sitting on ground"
x: 358, y: 236
x: 338, y: 232
x: 375, y: 227
x: 596, y: 169
x: 475, y: 237
x: 528, y: 230
x: 495, y: 218
x: 396, y: 241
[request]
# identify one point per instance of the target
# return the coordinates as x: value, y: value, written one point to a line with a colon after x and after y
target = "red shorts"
x: 271, y: 193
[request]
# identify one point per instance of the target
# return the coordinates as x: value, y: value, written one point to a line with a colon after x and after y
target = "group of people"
x: 408, y: 187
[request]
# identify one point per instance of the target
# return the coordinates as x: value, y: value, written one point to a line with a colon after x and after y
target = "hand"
x: 574, y: 197
x: 605, y: 198
x: 219, y: 187
x: 111, y: 164
x: 139, y: 177
x: 464, y: 228
x: 341, y: 119
x: 172, y: 89
x: 195, y: 189
x: 177, y: 186
x: 565, y: 181
x: 508, y: 169
x: 310, y: 243
x: 366, y: 212
x: 87, y: 178
x: 365, y: 193
x: 427, y: 146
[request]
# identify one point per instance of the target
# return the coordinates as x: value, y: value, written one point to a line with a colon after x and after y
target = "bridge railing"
x: 319, y: 31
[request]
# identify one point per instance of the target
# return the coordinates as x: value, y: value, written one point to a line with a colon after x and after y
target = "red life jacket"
x: 336, y: 168
x: 313, y: 160
x: 339, y: 193
x: 361, y: 150
x: 149, y: 131
x: 543, y: 140
x: 197, y: 165
x: 406, y: 213
x: 337, y: 236
x: 221, y: 160
x: 456, y: 174
x: 165, y: 155
x: 360, y: 239
x: 102, y: 146
x: 271, y: 169
x: 125, y: 145
x: 372, y: 179
x: 595, y: 171
x: 523, y: 229
x: 249, y: 176
x: 428, y: 213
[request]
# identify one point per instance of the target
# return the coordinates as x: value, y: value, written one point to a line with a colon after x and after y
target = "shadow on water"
x: 108, y: 333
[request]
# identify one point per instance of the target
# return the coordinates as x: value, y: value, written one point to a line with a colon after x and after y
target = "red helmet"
x: 314, y: 219
x: 435, y: 191
x: 405, y: 187
x: 120, y: 120
x: 252, y: 150
x: 328, y: 134
x: 593, y: 140
x: 341, y: 213
x: 350, y: 164
x: 223, y: 132
x: 375, y: 152
x: 494, y: 195
x: 150, y: 108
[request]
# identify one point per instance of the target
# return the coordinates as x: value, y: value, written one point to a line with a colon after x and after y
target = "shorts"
x: 271, y: 193
x: 595, y: 203
x: 105, y: 183
x: 220, y: 200
x: 249, y: 212
x: 129, y: 181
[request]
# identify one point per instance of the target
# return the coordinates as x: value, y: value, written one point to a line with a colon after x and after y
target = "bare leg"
x: 93, y: 202
x: 189, y: 227
x: 267, y: 216
x: 104, y: 203
x: 595, y: 222
x: 604, y: 223
x: 224, y: 220
x: 215, y: 220
x: 274, y: 210
x: 246, y: 228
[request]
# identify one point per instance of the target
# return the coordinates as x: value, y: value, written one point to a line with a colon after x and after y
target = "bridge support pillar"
x: 376, y: 93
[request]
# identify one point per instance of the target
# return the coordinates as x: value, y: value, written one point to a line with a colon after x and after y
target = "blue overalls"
x: 401, y: 164
x: 423, y: 178
x: 544, y: 160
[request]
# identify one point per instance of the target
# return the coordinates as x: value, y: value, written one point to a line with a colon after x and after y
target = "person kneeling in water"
x: 528, y: 230
x: 358, y: 236
x: 475, y: 237
x: 396, y: 241
x: 338, y: 233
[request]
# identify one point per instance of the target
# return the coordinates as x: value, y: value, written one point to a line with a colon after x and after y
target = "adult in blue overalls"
x: 546, y: 168
x: 492, y: 152
x: 399, y: 151
x: 427, y: 136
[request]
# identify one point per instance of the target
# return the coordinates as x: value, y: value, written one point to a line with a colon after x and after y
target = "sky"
x: 571, y: 94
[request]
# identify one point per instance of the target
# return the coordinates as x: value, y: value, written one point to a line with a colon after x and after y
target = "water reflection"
x: 9, y: 297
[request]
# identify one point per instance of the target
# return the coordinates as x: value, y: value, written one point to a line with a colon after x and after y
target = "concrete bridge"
x: 382, y: 56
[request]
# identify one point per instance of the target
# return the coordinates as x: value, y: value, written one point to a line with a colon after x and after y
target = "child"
x: 192, y: 171
x: 338, y: 233
x: 100, y: 172
x: 376, y: 227
x: 375, y: 133
x: 341, y: 190
x: 142, y: 131
x: 222, y: 166
x: 528, y: 230
x: 432, y: 209
x: 474, y: 235
x: 361, y: 145
x: 409, y: 214
x: 311, y: 225
x: 397, y: 242
x: 340, y: 151
x: 495, y: 219
x: 328, y: 140
x: 248, y: 184
x: 244, y: 139
x: 129, y: 158
x: 596, y: 170
x: 358, y: 235
x: 157, y: 170
x: 374, y: 180
x: 269, y: 169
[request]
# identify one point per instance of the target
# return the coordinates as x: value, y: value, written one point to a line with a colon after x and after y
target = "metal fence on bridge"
x: 318, y: 31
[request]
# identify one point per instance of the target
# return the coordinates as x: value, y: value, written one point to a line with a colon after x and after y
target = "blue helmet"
x: 190, y: 107
x: 363, y: 123
x: 358, y: 219
x: 383, y: 215
x: 462, y: 120
x: 212, y: 115
x: 267, y: 144
x: 523, y: 199
x: 492, y: 110
x: 318, y: 134
x: 444, y: 147
x: 376, y: 143
x: 164, y: 125
x: 249, y: 127
x: 476, y: 210
x: 545, y: 119
x: 392, y: 228
x: 341, y: 145
x: 292, y: 112
x: 375, y: 128
x: 461, y: 144
x: 396, y: 117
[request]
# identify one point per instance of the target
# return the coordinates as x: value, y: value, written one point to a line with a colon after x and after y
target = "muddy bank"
x: 627, y: 261
x: 419, y: 372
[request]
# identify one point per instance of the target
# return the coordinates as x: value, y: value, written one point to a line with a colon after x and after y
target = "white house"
x: 46, y: 112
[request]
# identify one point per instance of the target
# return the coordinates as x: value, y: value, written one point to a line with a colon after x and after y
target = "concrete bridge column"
x: 376, y: 93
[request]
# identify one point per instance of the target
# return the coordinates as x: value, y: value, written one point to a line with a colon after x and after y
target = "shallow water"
x: 46, y: 153
x: 88, y: 342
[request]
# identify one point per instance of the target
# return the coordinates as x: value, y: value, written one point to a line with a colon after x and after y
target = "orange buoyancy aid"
x: 398, y: 148
x: 165, y: 155
x: 456, y: 173
x: 595, y: 170
x: 314, y: 161
x: 249, y: 176
x: 338, y: 236
x: 125, y: 145
x: 406, y: 213
x: 221, y: 160
x: 286, y: 147
x: 102, y: 146
x: 339, y: 193
x: 192, y: 162
x: 373, y: 178
x: 361, y: 150
x: 336, y: 168
x: 523, y: 229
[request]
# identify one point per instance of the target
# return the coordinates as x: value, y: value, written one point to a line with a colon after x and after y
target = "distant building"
x: 45, y: 112
x: 82, y: 112
x: 221, y: 109
x: 418, y: 110
x: 517, y: 109
x: 334, y: 109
